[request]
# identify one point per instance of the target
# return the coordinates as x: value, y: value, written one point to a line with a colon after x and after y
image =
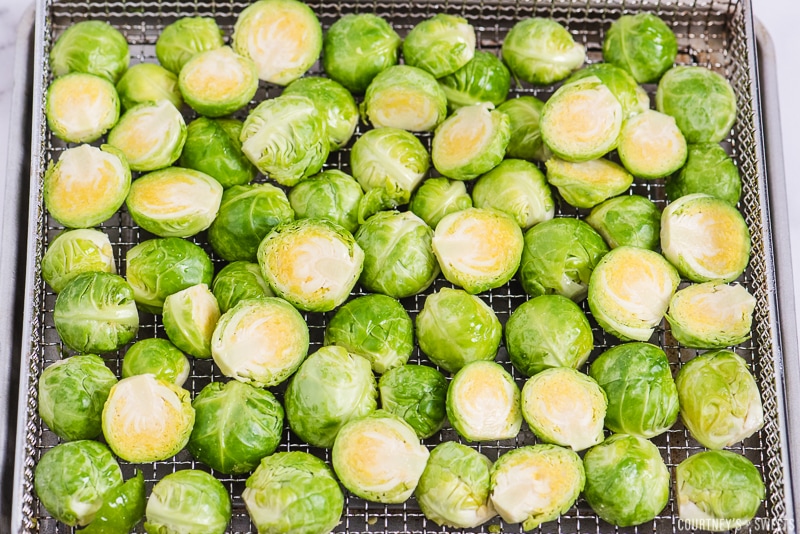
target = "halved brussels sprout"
x: 484, y: 78
x: 122, y: 509
x: 260, y: 341
x: 96, y: 313
x: 237, y: 281
x: 642, y: 44
x: 71, y: 396
x: 190, y: 316
x: 418, y: 394
x: 157, y: 357
x: 642, y: 397
x: 471, y: 142
x: 247, y: 213
x: 80, y: 108
x: 535, y: 484
x: 483, y: 402
x: 331, y: 195
x: 92, y: 47
x: 701, y: 100
x: 74, y: 252
x: 558, y: 257
x: 708, y: 170
x: 441, y: 44
x: 705, y: 238
x: 218, y: 82
x: 146, y: 419
x: 587, y: 183
x: 627, y: 482
x: 437, y: 197
x: 619, y: 82
x: 293, y: 492
x: 331, y: 387
x: 180, y: 41
x: 454, y: 487
x: 376, y: 327
x: 148, y: 82
x: 541, y: 51
x: 406, y: 98
x: 334, y: 102
x: 517, y: 188
x: 282, y: 37
x: 235, y: 426
x: 651, y: 145
x: 630, y: 290
x: 711, y: 315
x: 524, y: 114
x: 627, y: 220
x: 188, y: 500
x: 719, y: 399
x: 286, y: 137
x: 378, y: 457
x: 213, y: 147
x: 151, y: 135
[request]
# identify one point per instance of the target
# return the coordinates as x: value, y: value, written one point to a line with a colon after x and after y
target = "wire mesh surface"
x: 712, y: 33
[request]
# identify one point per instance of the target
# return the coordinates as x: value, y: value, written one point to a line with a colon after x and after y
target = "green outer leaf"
x: 541, y: 51
x: 73, y: 252
x: 213, y: 147
x: 642, y: 44
x: 188, y: 501
x: 123, y: 507
x: 441, y: 44
x: 484, y: 78
x: 158, y: 357
x: 331, y: 195
x: 92, y: 47
x: 417, y: 393
x: 180, y: 41
x: 334, y: 102
x: 146, y: 82
x: 708, y: 169
x: 627, y: 220
x: 517, y: 188
x: 190, y: 316
x: 619, y: 82
x: 526, y: 142
x: 237, y: 281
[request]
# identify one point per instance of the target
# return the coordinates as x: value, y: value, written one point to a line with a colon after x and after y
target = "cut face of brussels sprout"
x: 148, y: 82
x: 379, y: 457
x: 454, y: 488
x: 630, y: 220
x: 711, y: 315
x: 260, y: 342
x: 92, y: 47
x: 218, y: 82
x: 524, y: 113
x: 331, y: 388
x: 190, y: 316
x: 157, y: 357
x: 146, y: 419
x: 181, y: 40
x: 293, y: 492
x: 331, y: 195
x: 213, y: 147
x: 472, y: 141
x: 708, y: 170
x: 440, y: 45
x: 651, y: 145
x: 188, y: 501
x: 630, y: 290
x: 74, y: 252
x: 71, y: 396
x: 541, y: 51
x: 518, y: 188
x: 237, y: 281
x: 282, y: 37
x: 174, y: 202
x: 437, y: 197
x: 236, y: 425
x: 633, y: 98
x: 406, y: 98
x: 641, y: 44
x: 416, y: 393
x: 587, y: 183
x: 484, y: 78
x: 81, y: 108
x: 334, y: 102
x: 123, y: 507
x: 455, y: 328
x: 535, y: 484
x: 705, y: 238
x: 719, y: 399
x: 483, y: 402
x: 151, y: 135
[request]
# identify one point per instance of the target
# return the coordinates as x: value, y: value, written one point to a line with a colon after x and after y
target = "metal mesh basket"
x: 713, y: 33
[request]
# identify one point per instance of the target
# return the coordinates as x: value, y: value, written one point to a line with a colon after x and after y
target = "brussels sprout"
x: 331, y: 195
x: 620, y: 83
x: 454, y: 487
x: 74, y: 252
x: 702, y: 102
x: 312, y: 263
x: 535, y: 484
x: 148, y: 82
x: 235, y: 426
x: 651, y: 145
x: 483, y: 402
x: 587, y: 183
x: 558, y: 257
x: 293, y: 493
x: 642, y: 397
x: 261, y: 341
x: 357, y: 47
x: 96, y: 313
x: 719, y: 399
x: 630, y: 290
x: 627, y: 220
x: 238, y: 281
x: 441, y: 44
x: 157, y: 268
x: 157, y: 357
x: 708, y: 170
x: 376, y: 327
x: 188, y: 501
x: 218, y: 82
x: 417, y: 393
x: 627, y: 482
x: 213, y: 147
x: 705, y: 238
x: 541, y: 51
x: 437, y: 197
x: 71, y: 396
x: 524, y: 114
x: 582, y: 120
x: 484, y: 78
x: 378, y: 457
x: 517, y: 188
x: 329, y: 389
x: 91, y: 47
x: 72, y: 479
x: 80, y: 108
x: 151, y: 135
x: 180, y: 41
x: 190, y: 316
x: 146, y: 419
x: 711, y: 315
x: 286, y: 137
x: 334, y: 102
x: 246, y: 215
x: 718, y: 490
x: 641, y: 44
x: 406, y: 98
x: 455, y: 328
x: 123, y: 507
x: 282, y: 37
x: 472, y: 141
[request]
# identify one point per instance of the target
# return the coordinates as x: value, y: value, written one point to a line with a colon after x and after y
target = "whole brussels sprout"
x: 148, y: 82
x: 404, y: 97
x: 524, y: 114
x: 441, y: 44
x: 417, y: 393
x: 437, y: 197
x: 651, y: 145
x: 74, y: 252
x: 213, y: 147
x: 587, y: 183
x: 627, y: 220
x: 331, y: 195
x: 518, y: 188
x: 620, y: 83
x: 180, y: 41
x: 708, y: 170
x: 334, y: 102
x: 81, y: 108
x: 92, y: 47
x: 711, y: 315
x: 541, y: 51
x: 157, y: 357
x: 218, y: 82
x: 642, y: 44
x: 151, y: 135
x: 188, y: 500
x: 123, y: 507
x: 237, y: 281
x: 190, y: 316
x: 483, y: 78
